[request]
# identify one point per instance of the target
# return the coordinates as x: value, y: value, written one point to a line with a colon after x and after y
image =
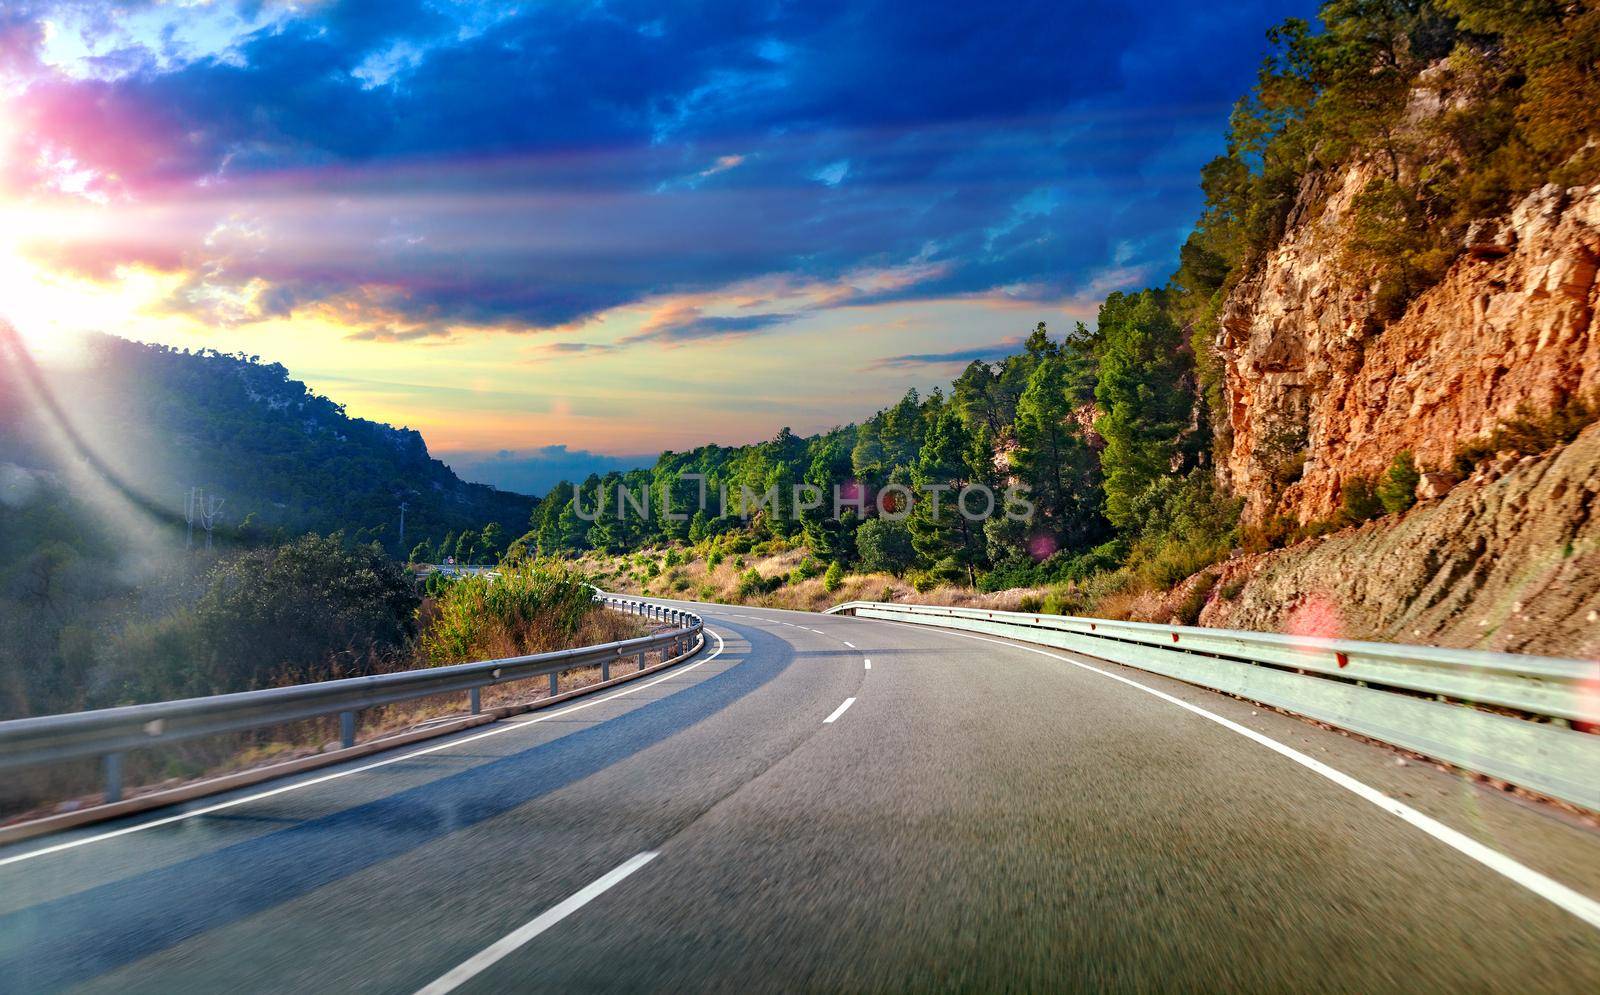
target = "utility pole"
x: 402, y: 528
x: 188, y: 515
x: 208, y: 515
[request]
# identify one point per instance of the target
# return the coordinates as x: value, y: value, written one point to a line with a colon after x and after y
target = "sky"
x: 559, y: 236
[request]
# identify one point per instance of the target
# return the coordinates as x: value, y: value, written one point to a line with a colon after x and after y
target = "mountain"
x: 1361, y: 406
x: 147, y: 424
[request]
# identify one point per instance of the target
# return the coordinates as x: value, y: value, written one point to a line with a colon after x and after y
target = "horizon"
x: 526, y: 262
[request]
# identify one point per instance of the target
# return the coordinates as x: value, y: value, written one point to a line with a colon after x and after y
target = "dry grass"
x: 37, y: 793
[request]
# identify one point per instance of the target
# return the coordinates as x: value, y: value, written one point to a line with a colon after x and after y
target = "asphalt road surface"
x: 824, y: 803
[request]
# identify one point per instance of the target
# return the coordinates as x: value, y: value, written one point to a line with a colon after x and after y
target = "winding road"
x: 824, y: 803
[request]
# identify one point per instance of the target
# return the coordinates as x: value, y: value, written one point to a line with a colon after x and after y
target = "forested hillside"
x: 281, y: 460
x: 1217, y: 412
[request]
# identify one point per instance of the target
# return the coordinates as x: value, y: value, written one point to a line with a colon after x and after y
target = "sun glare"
x: 31, y: 303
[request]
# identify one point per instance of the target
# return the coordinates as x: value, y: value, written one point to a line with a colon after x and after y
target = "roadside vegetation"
x: 84, y: 623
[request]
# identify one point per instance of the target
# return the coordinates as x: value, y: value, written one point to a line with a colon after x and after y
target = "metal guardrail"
x: 1448, y: 704
x: 110, y: 732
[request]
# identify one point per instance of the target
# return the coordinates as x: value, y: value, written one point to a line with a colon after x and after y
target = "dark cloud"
x: 532, y: 169
x: 535, y: 471
x: 693, y: 327
x: 988, y: 353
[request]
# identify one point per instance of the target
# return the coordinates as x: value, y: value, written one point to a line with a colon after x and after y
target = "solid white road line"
x: 1551, y: 890
x: 508, y: 944
x: 494, y: 731
x: 839, y: 711
x: 869, y: 664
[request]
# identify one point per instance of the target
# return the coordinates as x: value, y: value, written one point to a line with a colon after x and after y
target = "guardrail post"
x: 474, y: 701
x: 554, y: 685
x: 605, y: 670
x: 111, y: 768
x: 347, y: 729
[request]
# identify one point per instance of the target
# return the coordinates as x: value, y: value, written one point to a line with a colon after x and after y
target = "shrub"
x: 1063, y: 600
x: 1235, y: 587
x: 673, y: 559
x: 312, y: 609
x: 1194, y: 601
x: 887, y: 594
x: 834, y: 578
x: 751, y: 583
x: 714, y: 560
x: 1030, y: 603
x: 1398, y: 491
x: 1273, y: 533
x: 527, y: 609
x: 1530, y: 432
x: 1358, y: 501
x: 884, y: 546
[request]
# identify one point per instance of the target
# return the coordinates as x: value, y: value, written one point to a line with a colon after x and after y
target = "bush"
x: 313, y: 609
x: 834, y: 578
x: 1063, y: 600
x: 1358, y: 501
x: 751, y: 584
x: 714, y: 560
x: 529, y: 608
x: 884, y: 546
x: 1194, y: 601
x: 1530, y: 432
x: 1398, y: 491
x: 804, y: 571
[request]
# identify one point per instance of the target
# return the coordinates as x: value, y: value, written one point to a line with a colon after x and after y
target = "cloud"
x: 955, y: 357
x: 459, y: 166
x: 535, y: 471
x: 689, y: 325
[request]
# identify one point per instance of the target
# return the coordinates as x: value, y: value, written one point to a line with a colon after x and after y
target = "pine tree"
x: 1055, y: 460
x: 940, y: 534
x: 1146, y: 398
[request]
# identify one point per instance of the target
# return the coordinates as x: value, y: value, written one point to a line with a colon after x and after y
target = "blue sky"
x: 617, y: 227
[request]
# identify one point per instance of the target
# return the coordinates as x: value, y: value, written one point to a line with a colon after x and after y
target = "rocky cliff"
x: 1509, y: 560
x: 1310, y: 370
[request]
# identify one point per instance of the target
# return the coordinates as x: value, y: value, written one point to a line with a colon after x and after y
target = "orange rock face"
x: 1309, y: 369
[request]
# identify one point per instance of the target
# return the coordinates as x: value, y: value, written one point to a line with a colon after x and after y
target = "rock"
x: 1304, y: 352
x: 1489, y: 239
x: 1435, y: 484
x: 1509, y: 564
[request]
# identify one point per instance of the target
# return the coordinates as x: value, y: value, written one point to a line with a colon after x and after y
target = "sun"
x: 31, y: 302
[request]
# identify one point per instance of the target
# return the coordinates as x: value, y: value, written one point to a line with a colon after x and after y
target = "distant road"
x: 821, y: 802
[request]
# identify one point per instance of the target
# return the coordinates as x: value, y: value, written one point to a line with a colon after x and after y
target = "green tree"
x: 1146, y: 399
x: 884, y: 546
x: 491, y: 542
x: 1398, y: 489
x: 940, y: 534
x: 1054, y: 459
x: 466, y: 546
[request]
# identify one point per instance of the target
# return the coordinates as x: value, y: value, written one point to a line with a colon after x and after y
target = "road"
x: 823, y: 803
